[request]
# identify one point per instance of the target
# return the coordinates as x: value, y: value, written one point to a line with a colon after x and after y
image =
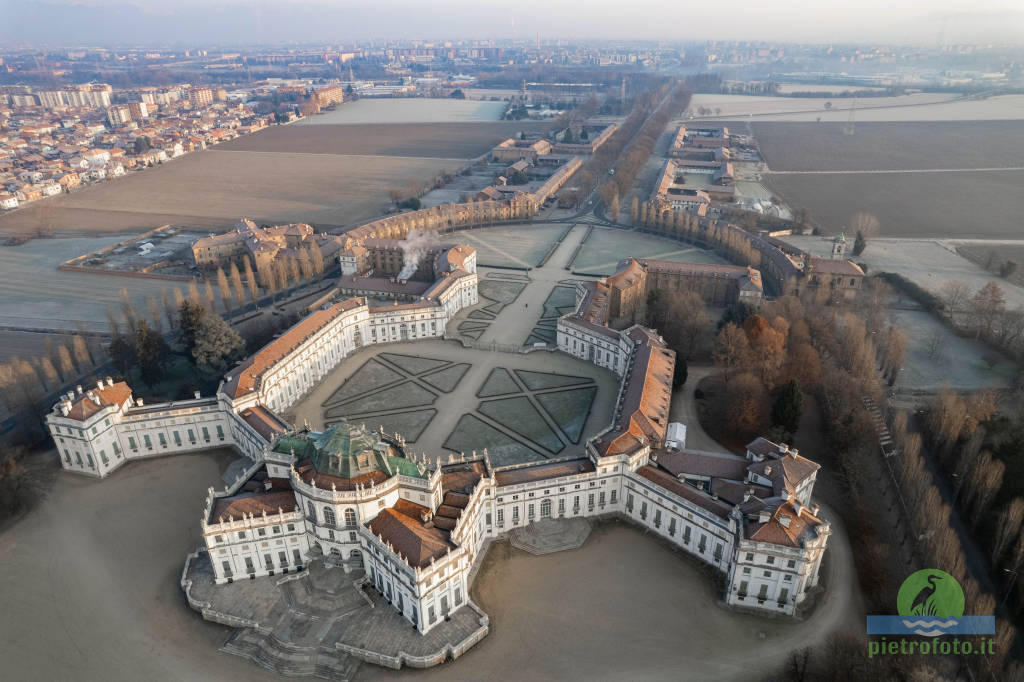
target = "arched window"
x: 355, y: 554
x: 328, y: 516
x: 545, y: 509
x: 350, y: 518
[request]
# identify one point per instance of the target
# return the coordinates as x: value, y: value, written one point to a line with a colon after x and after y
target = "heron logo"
x: 930, y: 603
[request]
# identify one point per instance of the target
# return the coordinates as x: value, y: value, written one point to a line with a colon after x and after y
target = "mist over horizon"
x: 238, y: 22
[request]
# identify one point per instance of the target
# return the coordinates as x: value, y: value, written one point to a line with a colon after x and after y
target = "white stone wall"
x: 256, y: 546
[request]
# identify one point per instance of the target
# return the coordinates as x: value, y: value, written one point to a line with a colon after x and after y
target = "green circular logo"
x: 930, y: 592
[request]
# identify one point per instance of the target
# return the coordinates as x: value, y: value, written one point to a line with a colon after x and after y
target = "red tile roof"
x: 403, y: 528
x: 245, y: 378
x: 84, y: 406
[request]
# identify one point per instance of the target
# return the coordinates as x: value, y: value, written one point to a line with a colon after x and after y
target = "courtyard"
x: 445, y: 398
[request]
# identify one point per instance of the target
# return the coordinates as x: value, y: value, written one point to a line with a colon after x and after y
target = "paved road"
x: 684, y: 409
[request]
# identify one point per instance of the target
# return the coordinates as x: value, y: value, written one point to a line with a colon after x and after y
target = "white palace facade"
x: 418, y: 524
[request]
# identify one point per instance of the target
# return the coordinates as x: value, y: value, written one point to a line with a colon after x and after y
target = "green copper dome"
x: 348, y: 451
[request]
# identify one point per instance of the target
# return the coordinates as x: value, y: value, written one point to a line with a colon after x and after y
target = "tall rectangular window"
x: 131, y: 443
x: 163, y: 440
x: 206, y: 433
x: 220, y: 432
x: 177, y: 438
x: 147, y: 441
x: 501, y: 517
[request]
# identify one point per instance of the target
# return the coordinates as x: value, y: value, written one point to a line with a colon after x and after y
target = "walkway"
x: 549, y: 535
x: 514, y: 322
x: 321, y: 622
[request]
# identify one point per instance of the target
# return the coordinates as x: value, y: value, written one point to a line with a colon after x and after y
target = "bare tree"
x: 732, y: 349
x: 250, y: 280
x: 954, y: 295
x: 983, y: 483
x: 866, y: 227
x: 210, y: 299
x: 156, y: 316
x: 170, y: 311
x: 83, y: 357
x: 316, y: 257
x: 193, y: 293
x: 127, y: 311
x: 987, y: 305
x: 225, y: 291
x: 179, y: 298
x: 895, y: 353
x: 48, y: 374
x: 66, y: 366
x: 1007, y: 526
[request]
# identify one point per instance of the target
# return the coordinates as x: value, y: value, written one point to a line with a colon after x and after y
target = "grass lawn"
x: 405, y: 394
x: 569, y: 409
x: 473, y: 434
x: 413, y: 364
x: 521, y: 416
x: 370, y: 377
x: 499, y: 382
x: 409, y: 424
x: 448, y: 378
x: 536, y: 381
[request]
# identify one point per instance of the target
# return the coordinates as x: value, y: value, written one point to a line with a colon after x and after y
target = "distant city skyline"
x: 147, y: 22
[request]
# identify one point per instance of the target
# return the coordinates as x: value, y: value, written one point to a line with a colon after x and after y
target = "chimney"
x: 79, y: 389
x: 747, y: 494
x: 138, y: 401
x: 99, y: 385
x: 110, y: 382
x: 783, y: 448
x: 768, y: 470
x: 196, y: 394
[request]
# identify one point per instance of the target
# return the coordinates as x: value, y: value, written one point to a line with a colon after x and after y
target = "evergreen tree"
x: 788, y: 407
x: 190, y: 314
x: 152, y: 353
x: 216, y: 344
x: 680, y: 373
x: 122, y: 352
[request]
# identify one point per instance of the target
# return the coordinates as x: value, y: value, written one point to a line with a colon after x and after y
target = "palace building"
x: 417, y: 524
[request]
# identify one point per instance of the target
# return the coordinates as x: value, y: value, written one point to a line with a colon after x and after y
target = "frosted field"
x: 930, y: 263
x: 924, y: 107
x: 521, y: 246
x: 802, y: 87
x: 35, y: 294
x: 606, y: 247
x: 746, y: 105
x: 409, y: 110
x: 936, y: 356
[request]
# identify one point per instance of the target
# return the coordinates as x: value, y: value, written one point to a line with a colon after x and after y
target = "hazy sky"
x: 260, y: 21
